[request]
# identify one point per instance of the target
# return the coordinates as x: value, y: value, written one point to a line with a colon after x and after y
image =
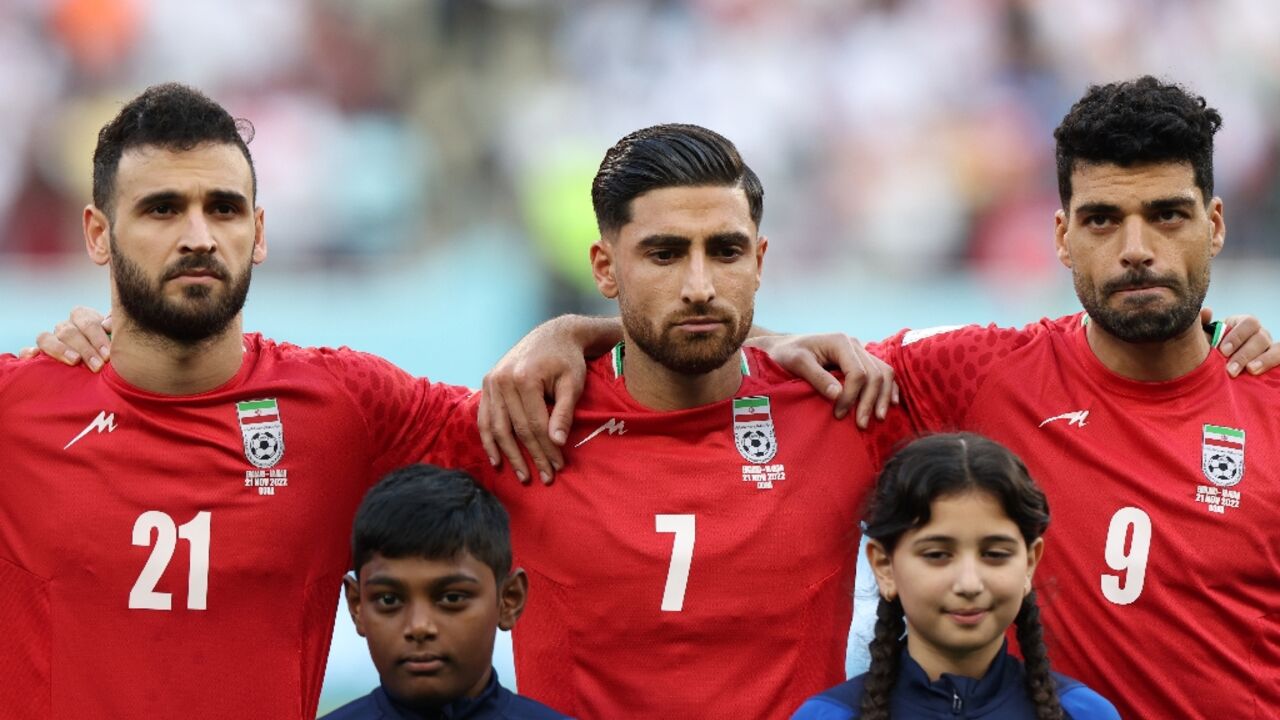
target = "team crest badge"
x: 262, y: 430
x: 753, y: 429
x: 1223, y: 453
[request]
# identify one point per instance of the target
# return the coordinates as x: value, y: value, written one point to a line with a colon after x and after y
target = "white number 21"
x: 681, y: 558
x: 1134, y: 562
x: 143, y: 596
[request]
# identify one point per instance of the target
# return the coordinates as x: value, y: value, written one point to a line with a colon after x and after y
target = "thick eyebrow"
x: 436, y: 584
x: 229, y: 196
x: 1175, y: 202
x: 172, y: 197
x: 679, y: 241
x: 1097, y: 208
x: 158, y: 198
x: 729, y: 238
x: 949, y: 540
x: 665, y: 241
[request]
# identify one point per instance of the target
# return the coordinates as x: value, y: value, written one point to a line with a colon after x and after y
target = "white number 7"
x: 681, y: 558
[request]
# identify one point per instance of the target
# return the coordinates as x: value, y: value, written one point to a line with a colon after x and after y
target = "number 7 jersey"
x: 1160, y: 583
x: 696, y: 563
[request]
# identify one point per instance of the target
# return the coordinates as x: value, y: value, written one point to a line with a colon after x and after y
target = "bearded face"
x: 1129, y: 308
x: 200, y: 311
x: 670, y: 343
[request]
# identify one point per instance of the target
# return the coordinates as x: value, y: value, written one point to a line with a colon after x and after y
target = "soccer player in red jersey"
x: 1163, y: 589
x: 696, y: 556
x: 172, y: 528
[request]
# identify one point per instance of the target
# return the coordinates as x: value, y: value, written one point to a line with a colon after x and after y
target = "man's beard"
x: 189, y: 323
x: 1145, y: 321
x: 696, y: 355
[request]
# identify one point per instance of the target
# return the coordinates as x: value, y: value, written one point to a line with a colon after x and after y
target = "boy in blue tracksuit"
x: 432, y: 584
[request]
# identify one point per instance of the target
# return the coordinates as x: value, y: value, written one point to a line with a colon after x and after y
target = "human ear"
x: 352, y: 590
x: 762, y: 246
x: 97, y: 235
x: 1060, y: 238
x: 602, y: 268
x: 1034, y: 552
x: 511, y: 597
x: 882, y: 565
x: 1219, y: 227
x: 259, y: 236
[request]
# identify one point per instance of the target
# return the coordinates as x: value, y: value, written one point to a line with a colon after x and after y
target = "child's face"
x: 961, y: 578
x: 430, y: 624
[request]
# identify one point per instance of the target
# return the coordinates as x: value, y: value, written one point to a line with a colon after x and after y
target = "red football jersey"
x: 170, y: 557
x: 1160, y: 583
x: 696, y: 563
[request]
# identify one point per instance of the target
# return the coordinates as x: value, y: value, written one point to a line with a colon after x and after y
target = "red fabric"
x: 769, y: 592
x: 1200, y: 640
x: 67, y: 520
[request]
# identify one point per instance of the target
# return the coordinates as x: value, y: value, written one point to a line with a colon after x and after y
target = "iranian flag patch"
x: 1223, y: 452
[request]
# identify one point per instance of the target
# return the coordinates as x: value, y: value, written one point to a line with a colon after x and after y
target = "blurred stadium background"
x: 425, y: 164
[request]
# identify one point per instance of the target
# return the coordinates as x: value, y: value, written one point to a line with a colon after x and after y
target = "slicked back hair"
x: 433, y: 513
x: 939, y: 466
x: 173, y: 117
x: 664, y: 156
x: 1136, y: 122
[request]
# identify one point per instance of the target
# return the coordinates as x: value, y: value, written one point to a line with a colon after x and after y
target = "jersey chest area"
x: 765, y: 500
x: 135, y: 500
x: 1154, y: 502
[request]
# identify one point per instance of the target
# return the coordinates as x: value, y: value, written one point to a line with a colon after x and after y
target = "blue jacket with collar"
x: 999, y: 695
x: 494, y: 703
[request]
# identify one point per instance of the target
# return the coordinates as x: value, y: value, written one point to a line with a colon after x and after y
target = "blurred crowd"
x: 913, y: 137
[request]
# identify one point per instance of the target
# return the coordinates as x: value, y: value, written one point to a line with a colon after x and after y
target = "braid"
x: 886, y: 656
x: 1040, y: 685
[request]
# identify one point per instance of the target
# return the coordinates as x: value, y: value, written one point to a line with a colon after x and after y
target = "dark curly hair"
x: 927, y: 469
x: 171, y: 116
x: 665, y: 156
x: 1138, y: 121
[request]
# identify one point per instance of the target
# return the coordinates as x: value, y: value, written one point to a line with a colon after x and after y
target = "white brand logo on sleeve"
x: 913, y: 336
x: 614, y: 426
x: 105, y: 421
x: 1076, y: 418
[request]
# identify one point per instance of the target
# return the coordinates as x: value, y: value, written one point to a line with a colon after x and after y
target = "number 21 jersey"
x: 168, y: 557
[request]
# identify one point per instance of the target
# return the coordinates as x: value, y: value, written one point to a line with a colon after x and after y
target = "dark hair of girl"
x: 946, y: 465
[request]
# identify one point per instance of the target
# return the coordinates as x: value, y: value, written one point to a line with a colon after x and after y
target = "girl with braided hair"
x: 954, y: 532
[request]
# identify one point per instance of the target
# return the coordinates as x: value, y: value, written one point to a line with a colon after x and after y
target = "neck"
x: 973, y: 664
x: 160, y: 365
x: 658, y: 387
x: 1153, y: 361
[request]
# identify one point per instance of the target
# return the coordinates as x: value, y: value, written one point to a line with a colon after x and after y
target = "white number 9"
x: 1132, y: 563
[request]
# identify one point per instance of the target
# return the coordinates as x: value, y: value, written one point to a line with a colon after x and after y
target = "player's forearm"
x: 595, y: 335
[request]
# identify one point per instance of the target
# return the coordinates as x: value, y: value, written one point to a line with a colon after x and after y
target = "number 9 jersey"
x: 168, y: 557
x: 695, y: 563
x: 1160, y: 583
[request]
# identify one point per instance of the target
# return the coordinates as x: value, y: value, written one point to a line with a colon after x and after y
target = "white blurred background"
x: 425, y: 165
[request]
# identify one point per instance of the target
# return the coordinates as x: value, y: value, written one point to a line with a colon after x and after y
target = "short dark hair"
x: 434, y: 513
x: 663, y: 156
x: 170, y: 116
x: 1138, y: 121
